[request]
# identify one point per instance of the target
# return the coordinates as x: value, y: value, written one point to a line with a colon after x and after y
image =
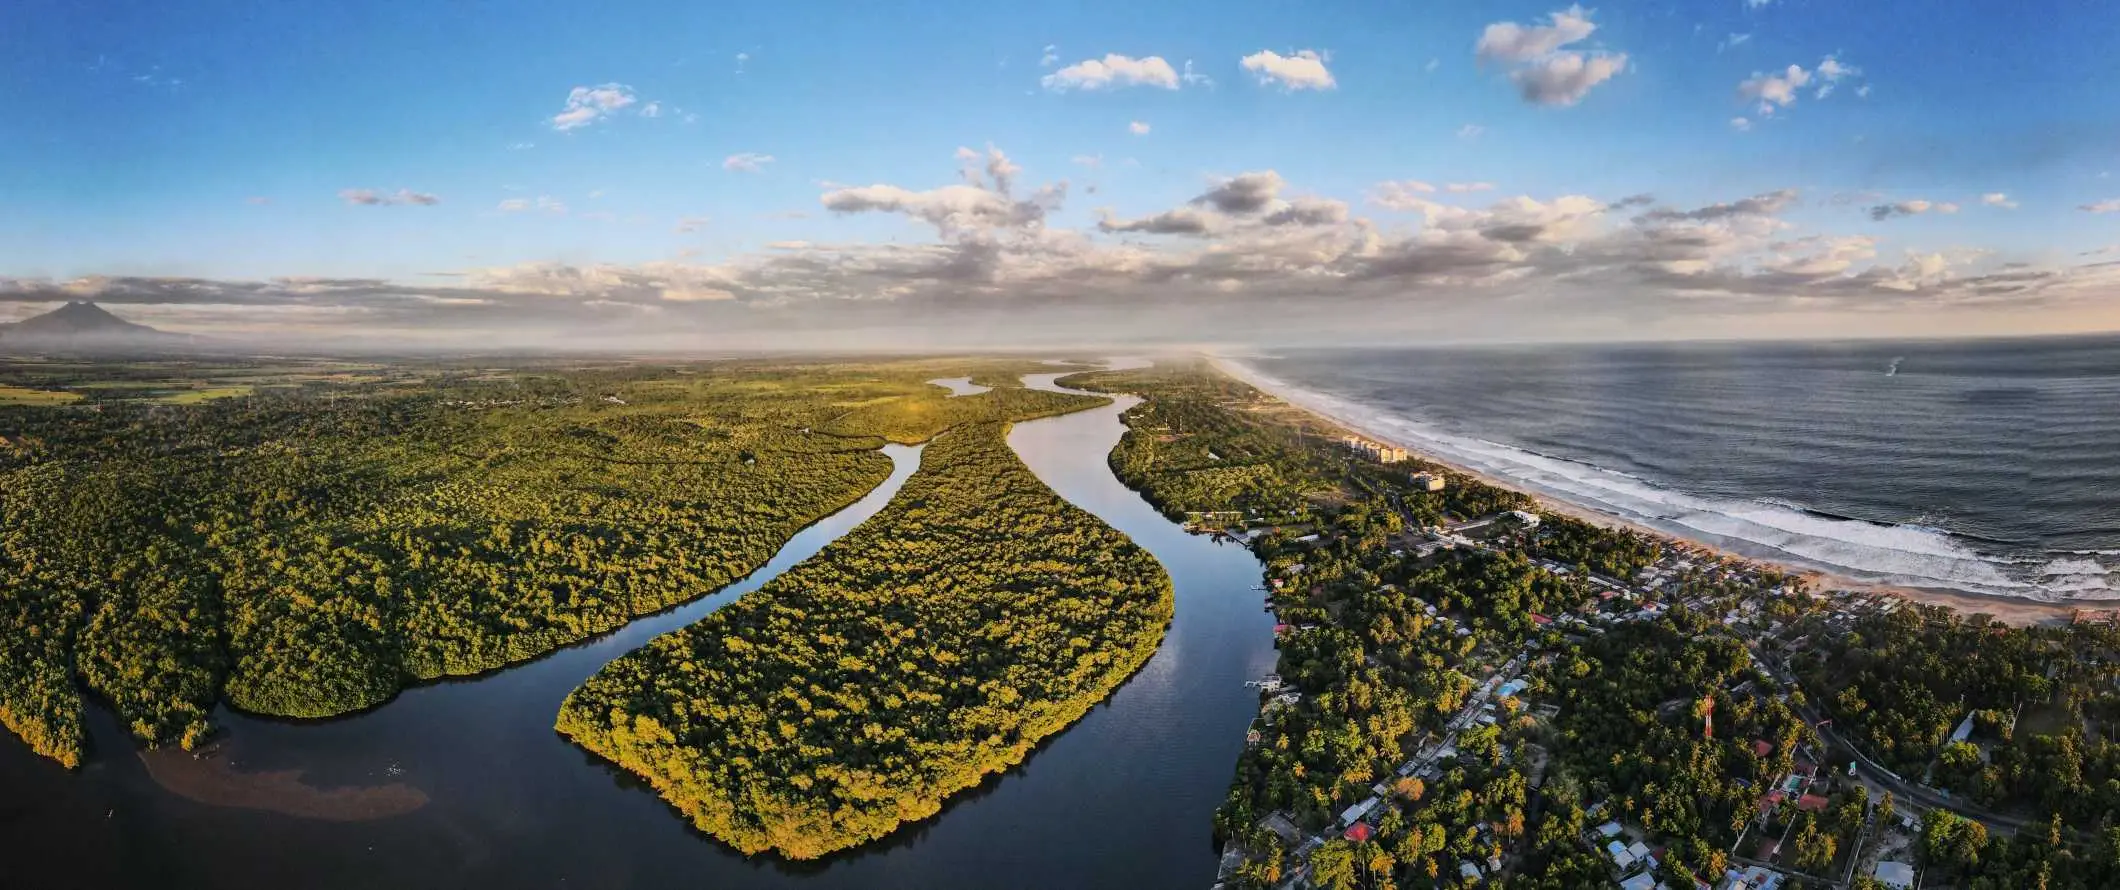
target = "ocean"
x: 1986, y: 466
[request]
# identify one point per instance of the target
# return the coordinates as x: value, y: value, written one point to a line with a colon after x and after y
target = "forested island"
x: 1467, y: 698
x: 307, y: 538
x: 935, y: 644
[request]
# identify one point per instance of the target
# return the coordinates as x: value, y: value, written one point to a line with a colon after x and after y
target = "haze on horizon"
x: 856, y: 176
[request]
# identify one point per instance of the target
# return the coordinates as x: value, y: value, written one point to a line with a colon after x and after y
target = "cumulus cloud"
x: 983, y: 206
x: 1224, y: 264
x: 1766, y: 204
x: 1998, y: 199
x: 587, y: 105
x: 1545, y: 73
x: 1509, y: 42
x: 1771, y: 91
x: 1308, y: 211
x: 1305, y: 70
x: 1243, y: 194
x: 373, y: 198
x: 746, y: 162
x: 1114, y: 70
x: 1138, y: 128
x: 1179, y: 221
x: 1914, y: 207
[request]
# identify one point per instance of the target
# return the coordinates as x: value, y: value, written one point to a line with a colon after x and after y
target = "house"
x: 1643, y: 881
x: 1468, y: 871
x: 1355, y: 813
x: 1762, y: 748
x: 1426, y: 482
x: 1896, y: 875
x: 1358, y: 832
x: 1811, y: 803
x: 1638, y: 850
x: 1619, y: 854
x: 1282, y: 828
x: 1528, y: 519
x: 1609, y: 829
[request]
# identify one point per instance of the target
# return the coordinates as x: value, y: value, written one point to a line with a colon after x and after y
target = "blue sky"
x: 220, y: 142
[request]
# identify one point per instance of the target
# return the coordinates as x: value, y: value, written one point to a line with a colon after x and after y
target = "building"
x: 1376, y: 451
x: 1426, y: 482
x: 1358, y: 832
x: 1896, y: 875
x: 1643, y: 881
x: 1529, y: 519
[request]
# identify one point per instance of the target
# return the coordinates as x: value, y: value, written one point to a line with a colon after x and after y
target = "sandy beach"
x: 2010, y: 610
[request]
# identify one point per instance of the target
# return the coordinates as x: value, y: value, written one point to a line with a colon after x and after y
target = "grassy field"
x: 15, y: 395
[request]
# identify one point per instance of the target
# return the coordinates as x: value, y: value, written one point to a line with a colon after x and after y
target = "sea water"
x: 1988, y: 466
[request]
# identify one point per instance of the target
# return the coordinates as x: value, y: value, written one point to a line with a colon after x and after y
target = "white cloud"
x: 1733, y: 41
x: 1461, y: 187
x: 1305, y: 70
x: 688, y: 224
x: 521, y: 146
x: 257, y: 200
x: 1509, y: 42
x: 1470, y: 131
x: 1402, y: 194
x: 746, y: 162
x: 1832, y: 71
x: 1779, y: 90
x: 1113, y: 70
x: 1194, y: 78
x: 1091, y: 161
x: 1544, y: 72
x: 587, y: 105
x: 1138, y: 128
x: 981, y: 208
x: 2109, y: 205
x: 1998, y: 199
x: 1565, y: 78
x: 543, y: 204
x: 1432, y: 65
x: 1755, y: 4
x: 1050, y: 57
x: 1913, y: 207
x: 373, y: 198
x: 1774, y: 90
x: 1740, y: 124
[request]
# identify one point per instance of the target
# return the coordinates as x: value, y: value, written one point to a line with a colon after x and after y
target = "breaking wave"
x: 1865, y: 550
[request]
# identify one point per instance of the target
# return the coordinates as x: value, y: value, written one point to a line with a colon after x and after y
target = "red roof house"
x: 1811, y: 803
x: 1358, y: 832
x: 1762, y: 748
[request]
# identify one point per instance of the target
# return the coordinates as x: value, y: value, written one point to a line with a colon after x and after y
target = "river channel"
x: 465, y: 783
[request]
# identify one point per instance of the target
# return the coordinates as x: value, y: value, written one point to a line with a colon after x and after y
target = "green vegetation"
x: 934, y: 644
x: 2044, y: 703
x: 1388, y: 643
x: 1201, y: 442
x: 312, y: 548
x: 16, y: 395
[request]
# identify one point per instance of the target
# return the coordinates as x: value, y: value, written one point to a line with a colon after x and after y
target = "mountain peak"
x: 83, y: 324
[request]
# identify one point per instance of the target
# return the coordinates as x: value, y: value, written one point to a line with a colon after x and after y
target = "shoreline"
x: 2009, y: 610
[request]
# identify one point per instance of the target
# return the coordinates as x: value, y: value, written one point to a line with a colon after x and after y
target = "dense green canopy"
x: 935, y: 644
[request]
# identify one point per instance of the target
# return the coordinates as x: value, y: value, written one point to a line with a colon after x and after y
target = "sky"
x: 679, y: 175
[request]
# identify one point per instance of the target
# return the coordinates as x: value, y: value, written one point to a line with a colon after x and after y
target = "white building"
x: 1426, y: 482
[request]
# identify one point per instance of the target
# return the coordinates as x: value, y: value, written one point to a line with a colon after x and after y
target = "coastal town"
x: 1488, y: 762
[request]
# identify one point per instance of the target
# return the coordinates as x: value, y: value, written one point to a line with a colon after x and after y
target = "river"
x: 497, y: 798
